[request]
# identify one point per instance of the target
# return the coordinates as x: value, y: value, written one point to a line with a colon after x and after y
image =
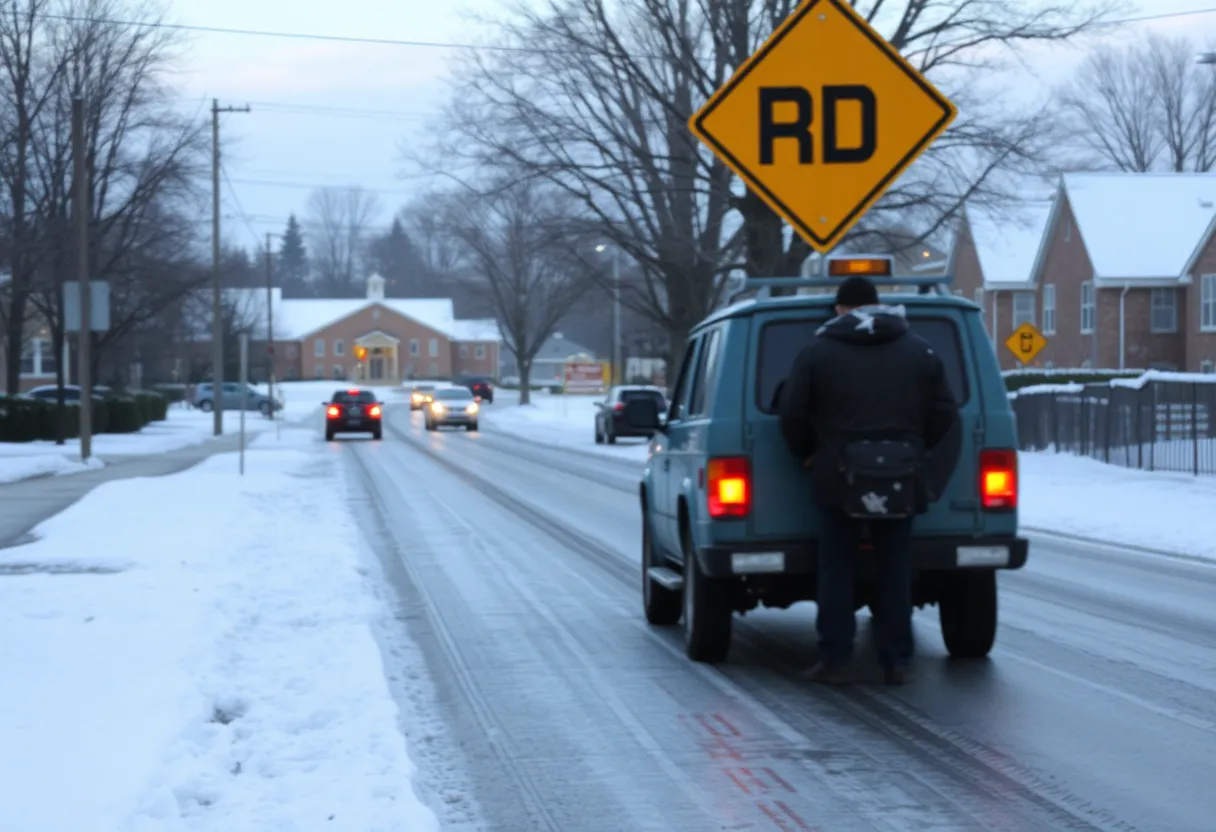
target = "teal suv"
x: 727, y: 518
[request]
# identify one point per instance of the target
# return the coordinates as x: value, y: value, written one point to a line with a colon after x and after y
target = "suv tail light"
x: 374, y: 411
x: 619, y: 407
x: 333, y: 412
x: 999, y: 479
x: 730, y: 487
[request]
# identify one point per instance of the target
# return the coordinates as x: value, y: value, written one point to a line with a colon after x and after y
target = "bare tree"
x: 595, y: 97
x: 439, y: 252
x: 519, y: 243
x: 28, y: 76
x: 1145, y: 106
x: 337, y: 225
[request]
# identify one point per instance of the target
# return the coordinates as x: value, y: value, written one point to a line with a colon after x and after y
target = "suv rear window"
x: 360, y: 397
x: 627, y: 396
x: 781, y: 341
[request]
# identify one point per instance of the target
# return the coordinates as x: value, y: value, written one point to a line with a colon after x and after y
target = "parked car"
x: 482, y: 387
x: 727, y: 522
x: 235, y: 397
x: 71, y: 393
x: 353, y: 411
x: 612, y: 414
x: 452, y: 407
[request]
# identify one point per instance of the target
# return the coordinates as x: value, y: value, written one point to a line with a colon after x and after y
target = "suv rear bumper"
x: 929, y: 554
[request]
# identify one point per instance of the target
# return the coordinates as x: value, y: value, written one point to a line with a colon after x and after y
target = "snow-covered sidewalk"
x: 184, y: 427
x: 195, y: 652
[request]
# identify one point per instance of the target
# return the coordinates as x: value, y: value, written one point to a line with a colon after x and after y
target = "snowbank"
x: 194, y: 652
x: 564, y: 420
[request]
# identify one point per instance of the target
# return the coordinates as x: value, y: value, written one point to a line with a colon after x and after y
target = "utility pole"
x: 84, y: 350
x: 217, y: 305
x: 270, y: 351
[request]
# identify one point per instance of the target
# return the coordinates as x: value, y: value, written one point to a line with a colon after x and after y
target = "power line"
x: 313, y: 186
x: 348, y: 112
x: 430, y: 44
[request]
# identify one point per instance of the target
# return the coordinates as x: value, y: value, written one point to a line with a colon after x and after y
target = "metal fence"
x: 1159, y: 426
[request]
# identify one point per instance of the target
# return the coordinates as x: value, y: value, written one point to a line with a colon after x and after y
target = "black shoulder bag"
x: 880, y: 479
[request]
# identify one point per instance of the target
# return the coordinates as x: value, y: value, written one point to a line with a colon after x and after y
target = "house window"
x: 1207, y: 302
x: 339, y: 348
x: 339, y: 373
x: 433, y: 348
x: 318, y: 348
x: 29, y: 358
x: 37, y: 358
x: 1206, y: 366
x: 1023, y: 309
x: 1087, y: 364
x: 432, y: 369
x: 1049, y: 309
x: 1164, y: 316
x: 413, y: 346
x: 318, y: 372
x: 1087, y: 307
x: 464, y: 350
x: 481, y: 351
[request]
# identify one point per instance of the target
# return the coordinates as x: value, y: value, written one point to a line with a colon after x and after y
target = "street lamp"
x: 618, y: 375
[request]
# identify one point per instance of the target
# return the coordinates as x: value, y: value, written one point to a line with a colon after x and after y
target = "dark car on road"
x: 480, y: 386
x: 612, y: 417
x: 353, y: 411
x: 452, y: 407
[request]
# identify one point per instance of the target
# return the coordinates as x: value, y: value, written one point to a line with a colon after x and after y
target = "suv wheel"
x: 264, y: 408
x: 599, y: 437
x: 968, y: 613
x: 708, y: 611
x: 663, y: 606
x: 205, y: 405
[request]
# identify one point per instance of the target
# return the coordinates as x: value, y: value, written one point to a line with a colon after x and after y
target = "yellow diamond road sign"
x: 1026, y: 342
x: 822, y: 119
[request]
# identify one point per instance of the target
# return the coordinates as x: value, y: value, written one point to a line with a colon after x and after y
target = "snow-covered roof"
x: 1008, y: 242
x: 304, y: 316
x: 297, y: 318
x: 1141, y: 226
x: 476, y: 329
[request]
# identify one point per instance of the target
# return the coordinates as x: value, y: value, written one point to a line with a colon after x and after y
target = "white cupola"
x: 375, y: 287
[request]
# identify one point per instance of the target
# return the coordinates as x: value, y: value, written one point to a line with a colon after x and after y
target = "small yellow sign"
x: 1026, y: 342
x: 360, y: 352
x: 823, y: 119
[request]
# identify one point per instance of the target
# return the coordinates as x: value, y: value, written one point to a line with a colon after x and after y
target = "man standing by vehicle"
x: 869, y: 410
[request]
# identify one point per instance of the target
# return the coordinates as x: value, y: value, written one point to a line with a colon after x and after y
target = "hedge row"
x: 31, y: 420
x: 1017, y: 379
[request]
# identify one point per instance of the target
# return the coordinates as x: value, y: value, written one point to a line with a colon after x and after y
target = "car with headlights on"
x: 452, y: 407
x: 353, y: 411
x: 421, y: 396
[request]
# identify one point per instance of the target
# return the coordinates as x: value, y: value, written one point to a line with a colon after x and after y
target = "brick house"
x: 410, y: 338
x: 1117, y: 270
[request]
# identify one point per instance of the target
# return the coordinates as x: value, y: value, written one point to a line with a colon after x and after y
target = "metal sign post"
x: 244, y: 393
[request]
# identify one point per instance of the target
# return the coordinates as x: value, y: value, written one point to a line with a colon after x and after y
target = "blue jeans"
x: 839, y: 537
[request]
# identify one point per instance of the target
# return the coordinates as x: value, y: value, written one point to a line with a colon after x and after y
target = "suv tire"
x: 708, y: 611
x: 968, y: 613
x: 663, y: 606
x: 205, y: 405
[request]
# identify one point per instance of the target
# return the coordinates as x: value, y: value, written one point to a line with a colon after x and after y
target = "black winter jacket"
x: 866, y: 376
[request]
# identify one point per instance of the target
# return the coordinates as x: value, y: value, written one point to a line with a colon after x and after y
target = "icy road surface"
x: 515, y: 567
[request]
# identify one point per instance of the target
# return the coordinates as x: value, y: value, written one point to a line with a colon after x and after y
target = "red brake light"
x: 353, y: 392
x: 730, y: 487
x: 374, y: 411
x: 333, y: 412
x: 999, y: 479
x: 618, y: 407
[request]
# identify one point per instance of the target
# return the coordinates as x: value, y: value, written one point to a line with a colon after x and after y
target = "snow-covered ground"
x: 566, y: 421
x: 183, y: 428
x: 162, y: 672
x: 1059, y: 492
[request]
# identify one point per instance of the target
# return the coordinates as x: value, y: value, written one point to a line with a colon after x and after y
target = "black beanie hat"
x: 856, y: 291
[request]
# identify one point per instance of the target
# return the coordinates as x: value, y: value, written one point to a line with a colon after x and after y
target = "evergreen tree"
x: 394, y: 256
x: 293, y: 271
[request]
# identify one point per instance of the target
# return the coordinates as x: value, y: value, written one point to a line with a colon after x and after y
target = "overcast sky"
x: 329, y: 113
